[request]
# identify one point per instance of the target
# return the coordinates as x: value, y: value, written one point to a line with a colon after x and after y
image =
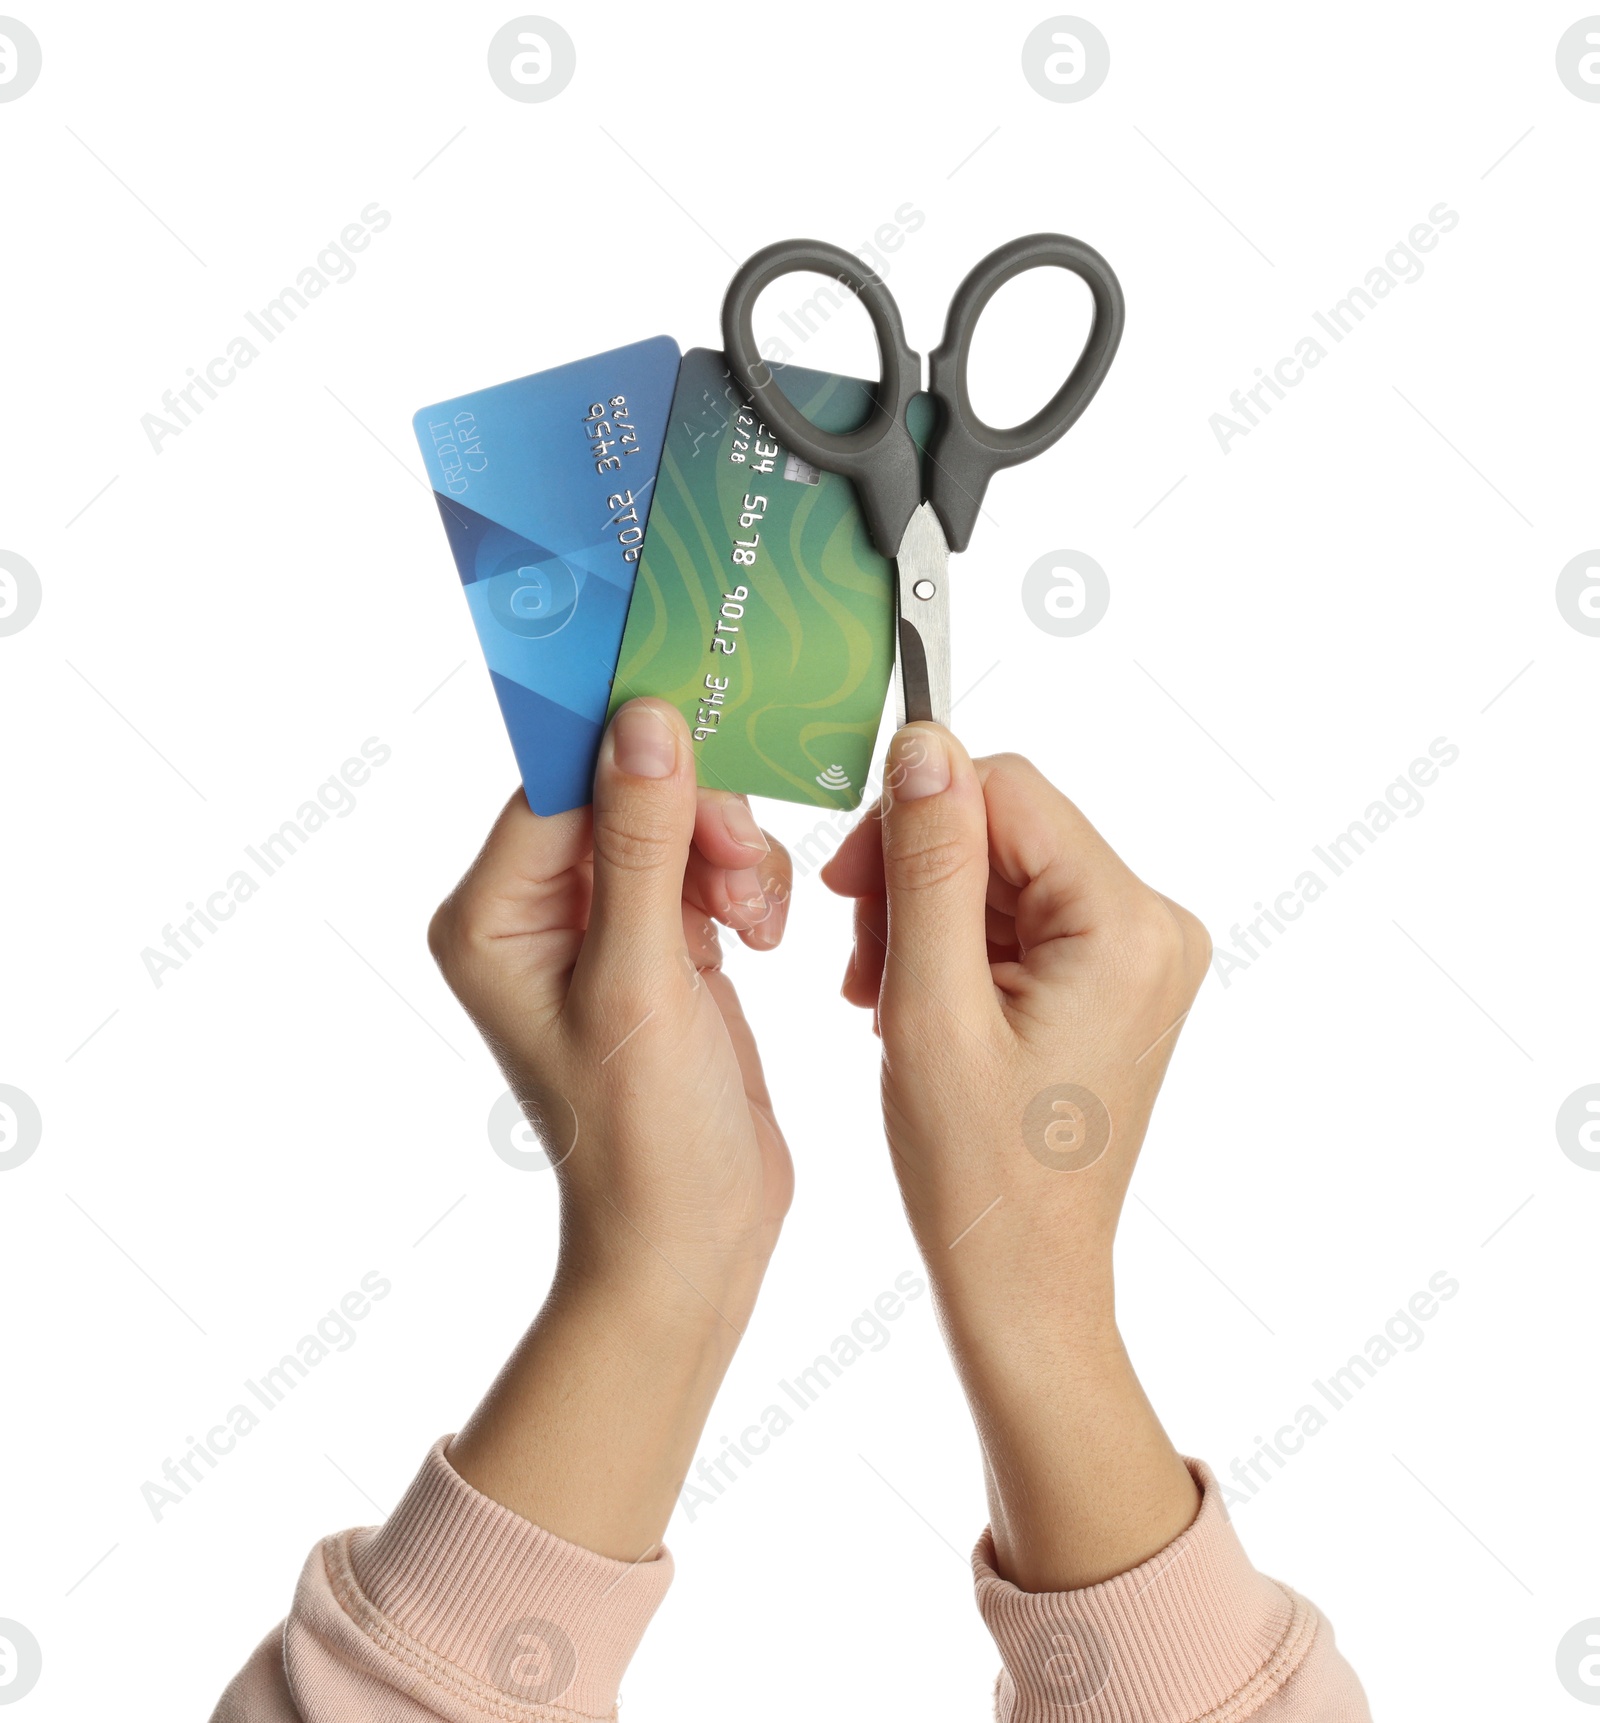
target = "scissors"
x: 914, y: 521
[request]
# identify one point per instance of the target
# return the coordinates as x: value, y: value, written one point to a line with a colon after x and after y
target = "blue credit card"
x: 544, y: 486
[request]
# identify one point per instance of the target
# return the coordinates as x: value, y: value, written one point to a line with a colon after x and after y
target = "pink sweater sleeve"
x: 1194, y: 1635
x: 458, y: 1609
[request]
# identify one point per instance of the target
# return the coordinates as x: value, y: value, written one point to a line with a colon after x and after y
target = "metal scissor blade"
x: 922, y: 584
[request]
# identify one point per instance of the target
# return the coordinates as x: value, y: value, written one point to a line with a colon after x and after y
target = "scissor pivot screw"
x: 924, y: 589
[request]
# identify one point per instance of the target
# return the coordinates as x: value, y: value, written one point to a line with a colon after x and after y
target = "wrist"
x: 592, y: 1425
x: 1002, y: 1270
x: 1020, y: 1341
x: 667, y: 1288
x: 1083, y: 1483
x: 664, y: 1313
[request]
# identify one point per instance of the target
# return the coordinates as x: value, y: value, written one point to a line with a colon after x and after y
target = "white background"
x: 1294, y: 623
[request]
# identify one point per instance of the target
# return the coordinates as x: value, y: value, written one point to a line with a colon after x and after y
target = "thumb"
x: 936, y: 874
x: 644, y: 812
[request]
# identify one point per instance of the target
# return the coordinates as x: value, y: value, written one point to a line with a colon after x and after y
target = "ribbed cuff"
x: 1193, y: 1634
x: 496, y: 1598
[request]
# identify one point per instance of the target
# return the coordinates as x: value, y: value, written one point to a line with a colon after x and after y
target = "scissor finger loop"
x: 917, y: 522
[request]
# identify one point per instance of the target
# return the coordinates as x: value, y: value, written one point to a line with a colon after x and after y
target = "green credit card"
x: 761, y: 609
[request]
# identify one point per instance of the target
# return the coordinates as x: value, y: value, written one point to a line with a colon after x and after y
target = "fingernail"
x: 921, y: 765
x: 742, y: 827
x: 747, y: 902
x: 641, y: 743
x: 767, y: 932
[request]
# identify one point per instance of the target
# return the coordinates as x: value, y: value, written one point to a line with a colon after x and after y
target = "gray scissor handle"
x: 966, y: 453
x: 878, y: 457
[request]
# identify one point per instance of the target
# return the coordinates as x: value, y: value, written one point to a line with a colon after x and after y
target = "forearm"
x: 1083, y: 1482
x: 1110, y: 1574
x: 545, y: 1514
x: 592, y: 1424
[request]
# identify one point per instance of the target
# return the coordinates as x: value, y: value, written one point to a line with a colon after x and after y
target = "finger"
x: 776, y: 877
x: 936, y: 870
x: 856, y: 868
x: 1000, y: 930
x: 1002, y: 893
x: 733, y: 896
x: 725, y: 831
x: 1067, y: 877
x: 748, y: 899
x: 644, y: 815
x: 528, y: 876
x: 863, y: 975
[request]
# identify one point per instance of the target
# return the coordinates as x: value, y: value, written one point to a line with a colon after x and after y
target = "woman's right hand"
x: 1029, y: 990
